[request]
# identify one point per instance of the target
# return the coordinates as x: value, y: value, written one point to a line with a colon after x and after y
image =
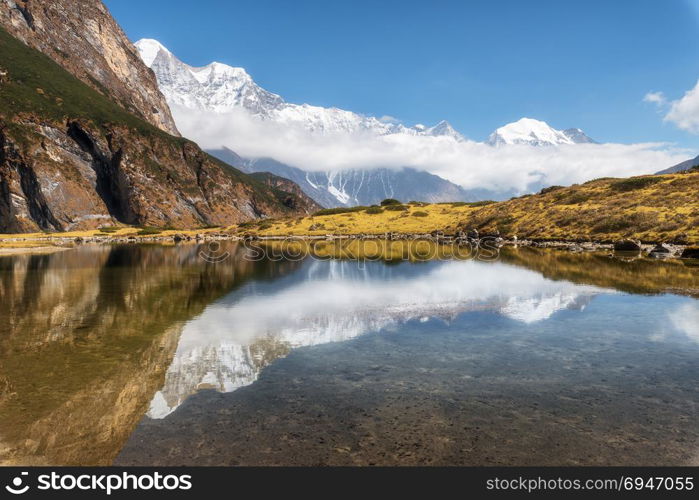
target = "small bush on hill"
x: 635, y: 183
x: 481, y: 203
x: 575, y: 198
x: 339, y: 210
x: 149, y: 231
x: 390, y: 201
x: 550, y: 189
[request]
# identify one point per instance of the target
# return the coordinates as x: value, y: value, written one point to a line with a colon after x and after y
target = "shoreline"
x: 31, y: 250
x: 57, y: 243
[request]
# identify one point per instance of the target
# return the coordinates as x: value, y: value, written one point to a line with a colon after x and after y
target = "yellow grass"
x: 439, y: 216
x: 667, y: 209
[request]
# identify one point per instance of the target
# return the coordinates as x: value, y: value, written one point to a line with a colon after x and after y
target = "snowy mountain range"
x: 219, y: 89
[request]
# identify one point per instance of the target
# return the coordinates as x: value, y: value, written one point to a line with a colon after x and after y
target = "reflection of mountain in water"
x: 86, y: 338
x: 234, y: 339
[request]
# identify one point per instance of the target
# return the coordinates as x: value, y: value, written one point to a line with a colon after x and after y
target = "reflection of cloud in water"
x: 686, y: 319
x: 533, y: 309
x: 228, y: 345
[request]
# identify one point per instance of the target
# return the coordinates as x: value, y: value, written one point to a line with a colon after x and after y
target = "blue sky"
x: 478, y: 64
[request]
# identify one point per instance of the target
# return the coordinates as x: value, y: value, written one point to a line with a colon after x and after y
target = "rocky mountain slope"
x: 354, y: 186
x: 681, y: 167
x: 70, y: 158
x: 82, y: 36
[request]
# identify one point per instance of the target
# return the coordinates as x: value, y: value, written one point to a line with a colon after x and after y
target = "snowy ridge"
x: 533, y: 132
x: 221, y: 88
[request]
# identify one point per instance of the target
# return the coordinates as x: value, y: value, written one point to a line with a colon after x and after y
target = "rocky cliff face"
x: 71, y: 158
x: 83, y: 37
x: 291, y: 193
x: 83, y: 176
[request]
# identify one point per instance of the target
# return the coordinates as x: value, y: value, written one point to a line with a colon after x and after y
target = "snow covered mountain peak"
x: 149, y: 50
x: 445, y: 129
x: 215, y: 87
x: 220, y: 88
x: 536, y: 133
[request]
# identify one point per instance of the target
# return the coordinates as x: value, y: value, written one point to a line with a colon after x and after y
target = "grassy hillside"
x: 36, y: 85
x: 651, y: 208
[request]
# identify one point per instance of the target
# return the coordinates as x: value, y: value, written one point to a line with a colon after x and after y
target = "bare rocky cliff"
x: 293, y: 196
x: 82, y: 36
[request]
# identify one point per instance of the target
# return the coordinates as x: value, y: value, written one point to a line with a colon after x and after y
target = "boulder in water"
x: 627, y: 246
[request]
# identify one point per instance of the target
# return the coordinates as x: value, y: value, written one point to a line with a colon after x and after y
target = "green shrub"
x: 419, y: 214
x: 598, y: 179
x: 374, y: 210
x: 550, y: 189
x: 396, y: 208
x: 149, y: 231
x: 109, y: 229
x: 482, y: 203
x: 390, y: 201
x: 635, y: 223
x: 575, y: 198
x: 635, y: 183
x: 339, y: 210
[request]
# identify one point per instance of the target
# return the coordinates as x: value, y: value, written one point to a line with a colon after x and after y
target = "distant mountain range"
x: 355, y: 186
x: 218, y: 88
x: 681, y: 167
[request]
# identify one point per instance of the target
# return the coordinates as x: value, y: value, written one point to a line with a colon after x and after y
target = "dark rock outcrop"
x: 295, y: 197
x: 627, y: 246
x: 690, y: 253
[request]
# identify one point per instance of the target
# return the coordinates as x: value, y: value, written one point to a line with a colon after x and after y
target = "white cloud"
x: 389, y: 119
x: 686, y: 319
x: 470, y: 164
x: 657, y: 98
x: 684, y: 112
